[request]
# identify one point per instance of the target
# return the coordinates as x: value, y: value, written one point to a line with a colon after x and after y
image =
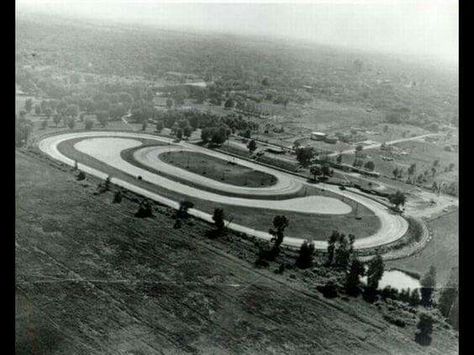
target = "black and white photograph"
x: 228, y: 177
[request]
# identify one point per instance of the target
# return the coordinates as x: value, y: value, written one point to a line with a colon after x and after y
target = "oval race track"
x: 106, y: 147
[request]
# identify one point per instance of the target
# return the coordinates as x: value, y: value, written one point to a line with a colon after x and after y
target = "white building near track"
x: 318, y: 136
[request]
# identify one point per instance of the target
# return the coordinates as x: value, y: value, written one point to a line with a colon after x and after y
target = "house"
x: 330, y: 140
x: 318, y: 136
x: 275, y: 150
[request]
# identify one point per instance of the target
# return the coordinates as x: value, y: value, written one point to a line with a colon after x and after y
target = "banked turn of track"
x: 106, y: 147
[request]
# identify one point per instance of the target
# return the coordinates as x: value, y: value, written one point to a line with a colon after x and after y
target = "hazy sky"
x: 414, y: 27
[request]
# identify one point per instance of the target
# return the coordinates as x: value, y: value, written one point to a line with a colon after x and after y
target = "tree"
x: 428, y: 284
x: 81, y: 176
x: 415, y: 298
x: 37, y: 109
x: 169, y: 103
x: 102, y: 117
x: 353, y: 277
x: 218, y: 218
x: 329, y: 289
x: 304, y: 155
x: 370, y: 165
x: 28, y: 105
x: 279, y: 225
x: 23, y: 128
x: 174, y: 127
x: 61, y: 107
x: 71, y: 123
x: 424, y: 328
x: 144, y: 125
x: 252, y: 146
x: 339, y: 159
x: 229, y: 103
x: 447, y: 298
x: 343, y: 250
x: 88, y: 124
x: 357, y: 163
x: 43, y: 105
x: 179, y: 133
x: 182, y: 212
x: 332, y: 246
x: 72, y: 111
x: 117, y: 197
x: 400, y: 173
x: 159, y: 126
x: 107, y: 183
x: 187, y: 131
x: 389, y: 292
x: 117, y: 110
x: 397, y: 115
x: 56, y: 119
x: 397, y: 199
x: 126, y: 98
x: 219, y: 135
x: 325, y: 170
x: 145, y: 209
x: 375, y: 272
x: 411, y: 169
x: 359, y: 148
x: 395, y: 173
x: 404, y: 295
x: 206, y: 134
x: 247, y: 133
x: 315, y: 170
x: 44, y: 124
x: 47, y: 112
x: 305, y: 256
x: 183, y: 123
x: 101, y: 105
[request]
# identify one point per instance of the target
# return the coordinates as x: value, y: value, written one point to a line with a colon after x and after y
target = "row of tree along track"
x: 96, y: 152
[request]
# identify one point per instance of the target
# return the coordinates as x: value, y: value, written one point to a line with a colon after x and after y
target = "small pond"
x: 397, y: 279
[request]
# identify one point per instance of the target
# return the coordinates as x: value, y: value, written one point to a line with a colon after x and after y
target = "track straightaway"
x: 106, y: 146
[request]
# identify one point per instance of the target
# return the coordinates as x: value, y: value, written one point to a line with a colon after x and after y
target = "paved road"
x: 392, y: 226
x: 378, y: 145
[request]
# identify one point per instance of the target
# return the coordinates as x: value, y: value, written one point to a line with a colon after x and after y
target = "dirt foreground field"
x: 93, y: 279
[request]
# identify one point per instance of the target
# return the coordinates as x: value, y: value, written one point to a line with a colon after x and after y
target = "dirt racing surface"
x: 93, y: 279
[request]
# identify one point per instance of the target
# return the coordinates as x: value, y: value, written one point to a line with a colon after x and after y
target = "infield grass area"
x: 218, y: 169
